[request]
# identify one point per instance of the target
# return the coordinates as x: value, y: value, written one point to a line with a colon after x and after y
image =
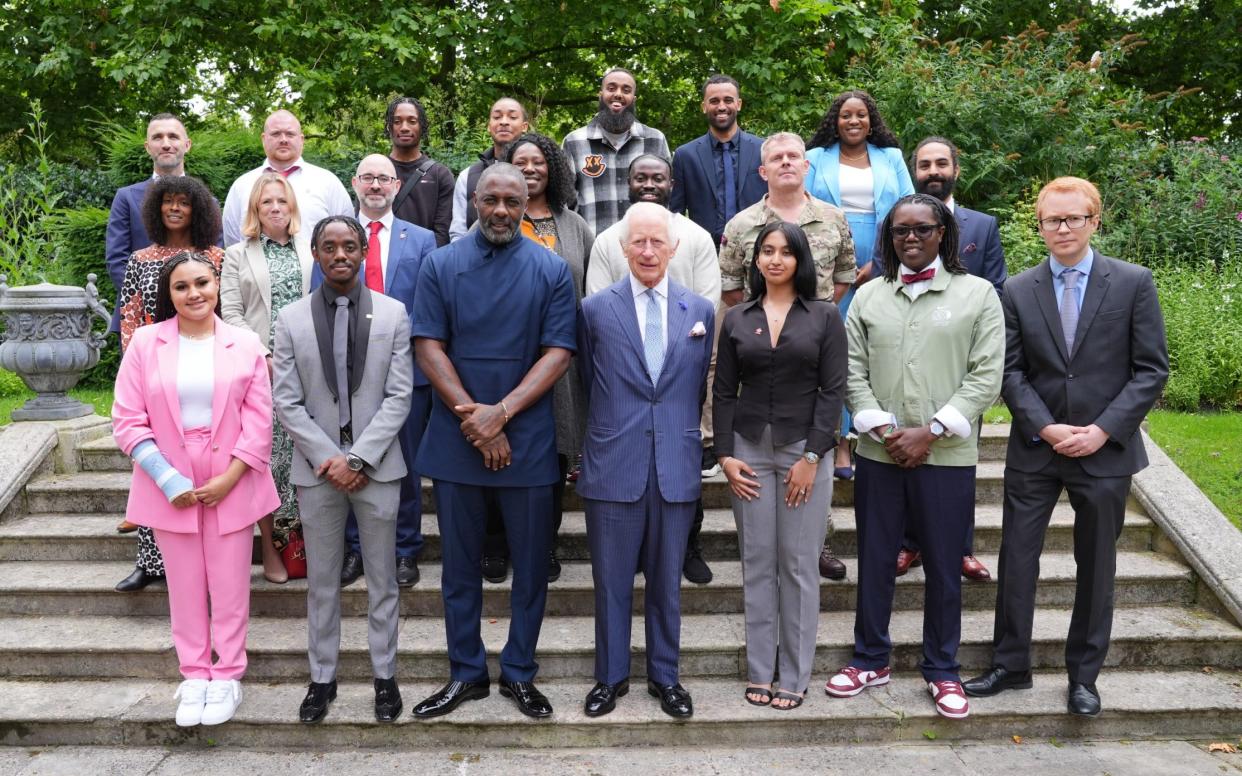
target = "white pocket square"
x: 699, y: 330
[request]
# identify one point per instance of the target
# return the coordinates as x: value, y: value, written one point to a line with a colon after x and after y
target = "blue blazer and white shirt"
x: 890, y: 176
x: 694, y: 180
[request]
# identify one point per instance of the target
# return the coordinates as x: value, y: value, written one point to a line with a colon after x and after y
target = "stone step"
x: 94, y: 537
x: 139, y: 712
x: 49, y: 588
x: 712, y: 645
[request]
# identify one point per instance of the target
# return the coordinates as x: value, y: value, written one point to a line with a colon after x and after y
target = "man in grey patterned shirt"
x: 601, y: 151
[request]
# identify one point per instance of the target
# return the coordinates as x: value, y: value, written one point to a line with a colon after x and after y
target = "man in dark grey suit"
x: 343, y: 376
x: 1085, y: 359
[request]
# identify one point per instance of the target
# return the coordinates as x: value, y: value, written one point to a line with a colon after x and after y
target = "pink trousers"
x: 208, y: 575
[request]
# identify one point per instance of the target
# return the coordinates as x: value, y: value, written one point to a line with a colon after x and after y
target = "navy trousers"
x: 936, y: 505
x: 410, y: 512
x: 651, y: 532
x: 462, y: 514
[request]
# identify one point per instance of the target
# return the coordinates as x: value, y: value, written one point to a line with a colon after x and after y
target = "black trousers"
x: 1099, y: 512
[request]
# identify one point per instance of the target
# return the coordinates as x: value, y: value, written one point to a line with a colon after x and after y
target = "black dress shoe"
x: 674, y: 699
x: 695, y: 568
x: 351, y: 568
x: 137, y: 581
x: 1084, y: 700
x: 387, y: 700
x: 830, y: 566
x: 315, y: 704
x: 529, y: 700
x: 603, y: 697
x: 495, y: 569
x: 996, y: 680
x: 449, y: 697
x: 407, y: 572
x: 554, y: 567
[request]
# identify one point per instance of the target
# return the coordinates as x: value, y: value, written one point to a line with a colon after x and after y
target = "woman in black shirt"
x: 779, y: 387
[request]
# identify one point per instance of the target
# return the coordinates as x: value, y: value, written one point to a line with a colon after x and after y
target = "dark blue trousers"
x: 462, y: 514
x: 936, y: 505
x: 651, y: 532
x: 410, y: 513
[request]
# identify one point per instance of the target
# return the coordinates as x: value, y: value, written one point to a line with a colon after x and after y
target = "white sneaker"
x: 193, y: 693
x: 223, y: 698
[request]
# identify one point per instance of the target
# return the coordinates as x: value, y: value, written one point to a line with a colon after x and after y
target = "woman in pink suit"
x: 193, y: 408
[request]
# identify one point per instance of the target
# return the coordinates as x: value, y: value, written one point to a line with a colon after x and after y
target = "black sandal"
x: 763, y: 692
x: 785, y: 695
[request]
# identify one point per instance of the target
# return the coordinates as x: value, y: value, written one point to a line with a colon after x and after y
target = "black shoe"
x: 315, y: 704
x: 554, y: 567
x: 495, y: 569
x: 710, y: 466
x: 1084, y: 700
x: 137, y: 581
x: 529, y: 700
x: 407, y: 572
x: 450, y: 696
x: 830, y: 566
x: 351, y: 568
x: 674, y: 699
x: 997, y: 680
x: 603, y: 697
x: 387, y: 700
x: 695, y: 568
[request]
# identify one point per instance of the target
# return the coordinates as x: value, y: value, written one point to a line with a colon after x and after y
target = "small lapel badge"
x: 758, y: 331
x: 402, y: 237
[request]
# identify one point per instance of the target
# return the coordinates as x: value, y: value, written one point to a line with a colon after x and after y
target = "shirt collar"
x: 758, y: 302
x: 300, y: 163
x: 950, y: 204
x: 596, y: 132
x: 936, y: 264
x: 806, y: 215
x: 717, y: 143
x: 265, y: 240
x: 385, y: 219
x: 1083, y: 266
x: 330, y: 295
x: 486, y: 248
x: 638, y: 289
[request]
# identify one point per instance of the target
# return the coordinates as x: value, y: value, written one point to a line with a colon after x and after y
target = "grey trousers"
x: 324, y: 510
x: 780, y: 563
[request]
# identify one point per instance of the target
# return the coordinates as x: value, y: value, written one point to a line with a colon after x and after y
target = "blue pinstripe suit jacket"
x: 626, y: 411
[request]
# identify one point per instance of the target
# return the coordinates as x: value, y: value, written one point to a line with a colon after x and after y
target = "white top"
x: 694, y: 263
x: 457, y: 227
x: 384, y: 237
x: 196, y: 381
x: 640, y: 304
x: 319, y: 194
x: 857, y: 189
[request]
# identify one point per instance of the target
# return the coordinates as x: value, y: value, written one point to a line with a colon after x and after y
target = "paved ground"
x: 1044, y: 758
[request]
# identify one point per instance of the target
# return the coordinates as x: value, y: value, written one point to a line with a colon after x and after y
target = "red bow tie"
x: 926, y: 274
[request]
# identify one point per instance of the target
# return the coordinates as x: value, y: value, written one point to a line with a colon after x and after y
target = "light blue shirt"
x: 1058, y: 284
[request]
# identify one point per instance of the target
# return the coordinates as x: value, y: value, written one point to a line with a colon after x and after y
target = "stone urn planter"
x: 48, y: 341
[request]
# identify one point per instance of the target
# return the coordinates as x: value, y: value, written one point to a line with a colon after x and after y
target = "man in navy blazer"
x: 395, y: 251
x: 644, y: 345
x: 725, y: 155
x: 167, y: 143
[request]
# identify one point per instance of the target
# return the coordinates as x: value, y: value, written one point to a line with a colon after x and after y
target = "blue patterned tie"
x: 653, y: 343
x: 1069, y: 307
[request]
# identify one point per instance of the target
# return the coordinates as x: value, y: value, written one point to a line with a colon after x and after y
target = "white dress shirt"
x: 694, y: 264
x: 641, y: 302
x: 319, y: 194
x: 384, y: 237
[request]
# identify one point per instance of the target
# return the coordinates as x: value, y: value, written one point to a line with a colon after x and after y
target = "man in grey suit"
x: 1085, y: 359
x: 343, y: 377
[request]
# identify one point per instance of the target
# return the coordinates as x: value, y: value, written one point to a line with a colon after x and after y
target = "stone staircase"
x: 81, y: 664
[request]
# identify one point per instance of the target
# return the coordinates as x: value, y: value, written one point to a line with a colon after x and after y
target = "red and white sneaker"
x: 950, y: 699
x: 850, y: 681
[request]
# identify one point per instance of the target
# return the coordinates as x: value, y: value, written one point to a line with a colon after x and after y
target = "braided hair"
x: 948, y: 241
x: 349, y: 221
x: 880, y: 136
x: 391, y: 114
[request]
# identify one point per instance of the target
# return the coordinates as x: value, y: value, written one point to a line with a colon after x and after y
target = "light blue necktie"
x: 1069, y: 307
x: 653, y: 343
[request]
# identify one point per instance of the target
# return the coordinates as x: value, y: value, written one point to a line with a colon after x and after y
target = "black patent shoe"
x: 997, y: 680
x: 449, y: 697
x: 351, y: 568
x: 137, y: 581
x: 387, y: 700
x: 495, y: 569
x: 603, y: 697
x: 529, y: 700
x: 1084, y: 700
x: 674, y: 699
x: 318, y: 697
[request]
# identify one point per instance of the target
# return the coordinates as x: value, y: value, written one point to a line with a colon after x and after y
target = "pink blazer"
x: 146, y: 406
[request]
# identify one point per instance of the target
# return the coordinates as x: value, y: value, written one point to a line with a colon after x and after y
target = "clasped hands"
x: 483, y: 426
x: 338, y: 474
x: 211, y: 494
x: 909, y: 447
x: 1073, y: 441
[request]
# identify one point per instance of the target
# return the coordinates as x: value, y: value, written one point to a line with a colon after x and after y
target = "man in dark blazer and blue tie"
x: 644, y: 345
x: 717, y: 174
x: 1085, y: 359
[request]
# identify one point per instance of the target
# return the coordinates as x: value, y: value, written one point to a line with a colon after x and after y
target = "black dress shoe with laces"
x: 495, y: 569
x: 997, y: 680
x: 387, y: 700
x: 351, y: 568
x: 603, y: 697
x: 529, y: 700
x: 1084, y: 700
x: 695, y: 568
x: 554, y: 567
x: 449, y: 697
x: 315, y: 705
x: 137, y: 581
x: 674, y: 699
x: 407, y: 572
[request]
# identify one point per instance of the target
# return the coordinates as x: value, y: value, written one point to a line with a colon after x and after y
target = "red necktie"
x: 926, y: 274
x: 375, y: 271
x: 286, y: 172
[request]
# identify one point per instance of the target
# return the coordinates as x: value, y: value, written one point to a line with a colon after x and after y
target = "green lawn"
x: 14, y: 399
x: 1208, y: 447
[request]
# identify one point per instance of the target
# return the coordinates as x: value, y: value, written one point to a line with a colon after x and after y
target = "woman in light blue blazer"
x: 857, y: 165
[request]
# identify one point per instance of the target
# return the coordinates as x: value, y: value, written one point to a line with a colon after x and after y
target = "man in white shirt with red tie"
x: 318, y: 191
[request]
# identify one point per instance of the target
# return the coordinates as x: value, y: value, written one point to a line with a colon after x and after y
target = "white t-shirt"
x: 196, y: 381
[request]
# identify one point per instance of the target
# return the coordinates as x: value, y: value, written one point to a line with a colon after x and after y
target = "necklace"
x: 207, y: 335
x: 853, y: 158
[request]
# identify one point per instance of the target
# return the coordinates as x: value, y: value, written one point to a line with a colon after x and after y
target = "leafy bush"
x: 217, y: 156
x: 24, y: 206
x: 1203, y: 319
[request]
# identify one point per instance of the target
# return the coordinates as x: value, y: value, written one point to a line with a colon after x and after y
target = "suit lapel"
x: 627, y: 318
x: 881, y: 173
x: 258, y: 266
x: 224, y: 366
x: 396, y: 249
x: 830, y: 173
x: 747, y: 159
x: 708, y: 162
x: 677, y: 312
x: 1045, y: 297
x: 166, y: 358
x: 1097, y: 287
x: 319, y: 318
x: 307, y: 262
x: 363, y: 336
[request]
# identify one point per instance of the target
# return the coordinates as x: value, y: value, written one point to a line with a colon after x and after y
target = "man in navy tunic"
x: 494, y: 328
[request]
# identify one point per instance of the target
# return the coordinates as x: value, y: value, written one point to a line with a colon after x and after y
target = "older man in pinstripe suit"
x: 644, y: 346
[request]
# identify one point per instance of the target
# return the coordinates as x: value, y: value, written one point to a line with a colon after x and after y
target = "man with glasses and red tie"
x: 1085, y: 360
x: 318, y: 191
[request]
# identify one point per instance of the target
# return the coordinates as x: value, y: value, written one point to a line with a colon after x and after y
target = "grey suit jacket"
x: 305, y: 390
x: 1114, y: 375
x: 246, y: 285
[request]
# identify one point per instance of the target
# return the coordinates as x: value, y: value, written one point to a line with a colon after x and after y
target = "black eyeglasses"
x: 382, y: 180
x: 1073, y: 222
x: 921, y: 231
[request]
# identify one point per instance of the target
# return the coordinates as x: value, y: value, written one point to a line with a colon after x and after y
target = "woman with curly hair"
x: 180, y: 215
x: 856, y: 164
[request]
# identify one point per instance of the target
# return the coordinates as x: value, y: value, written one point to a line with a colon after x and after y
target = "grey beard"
x: 615, y: 123
x: 496, y: 239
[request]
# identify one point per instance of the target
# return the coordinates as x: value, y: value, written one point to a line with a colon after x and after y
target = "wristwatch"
x: 354, y: 462
x: 937, y: 428
x: 811, y: 458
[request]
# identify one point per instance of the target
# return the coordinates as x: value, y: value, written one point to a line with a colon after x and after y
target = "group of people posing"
x: 606, y: 313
